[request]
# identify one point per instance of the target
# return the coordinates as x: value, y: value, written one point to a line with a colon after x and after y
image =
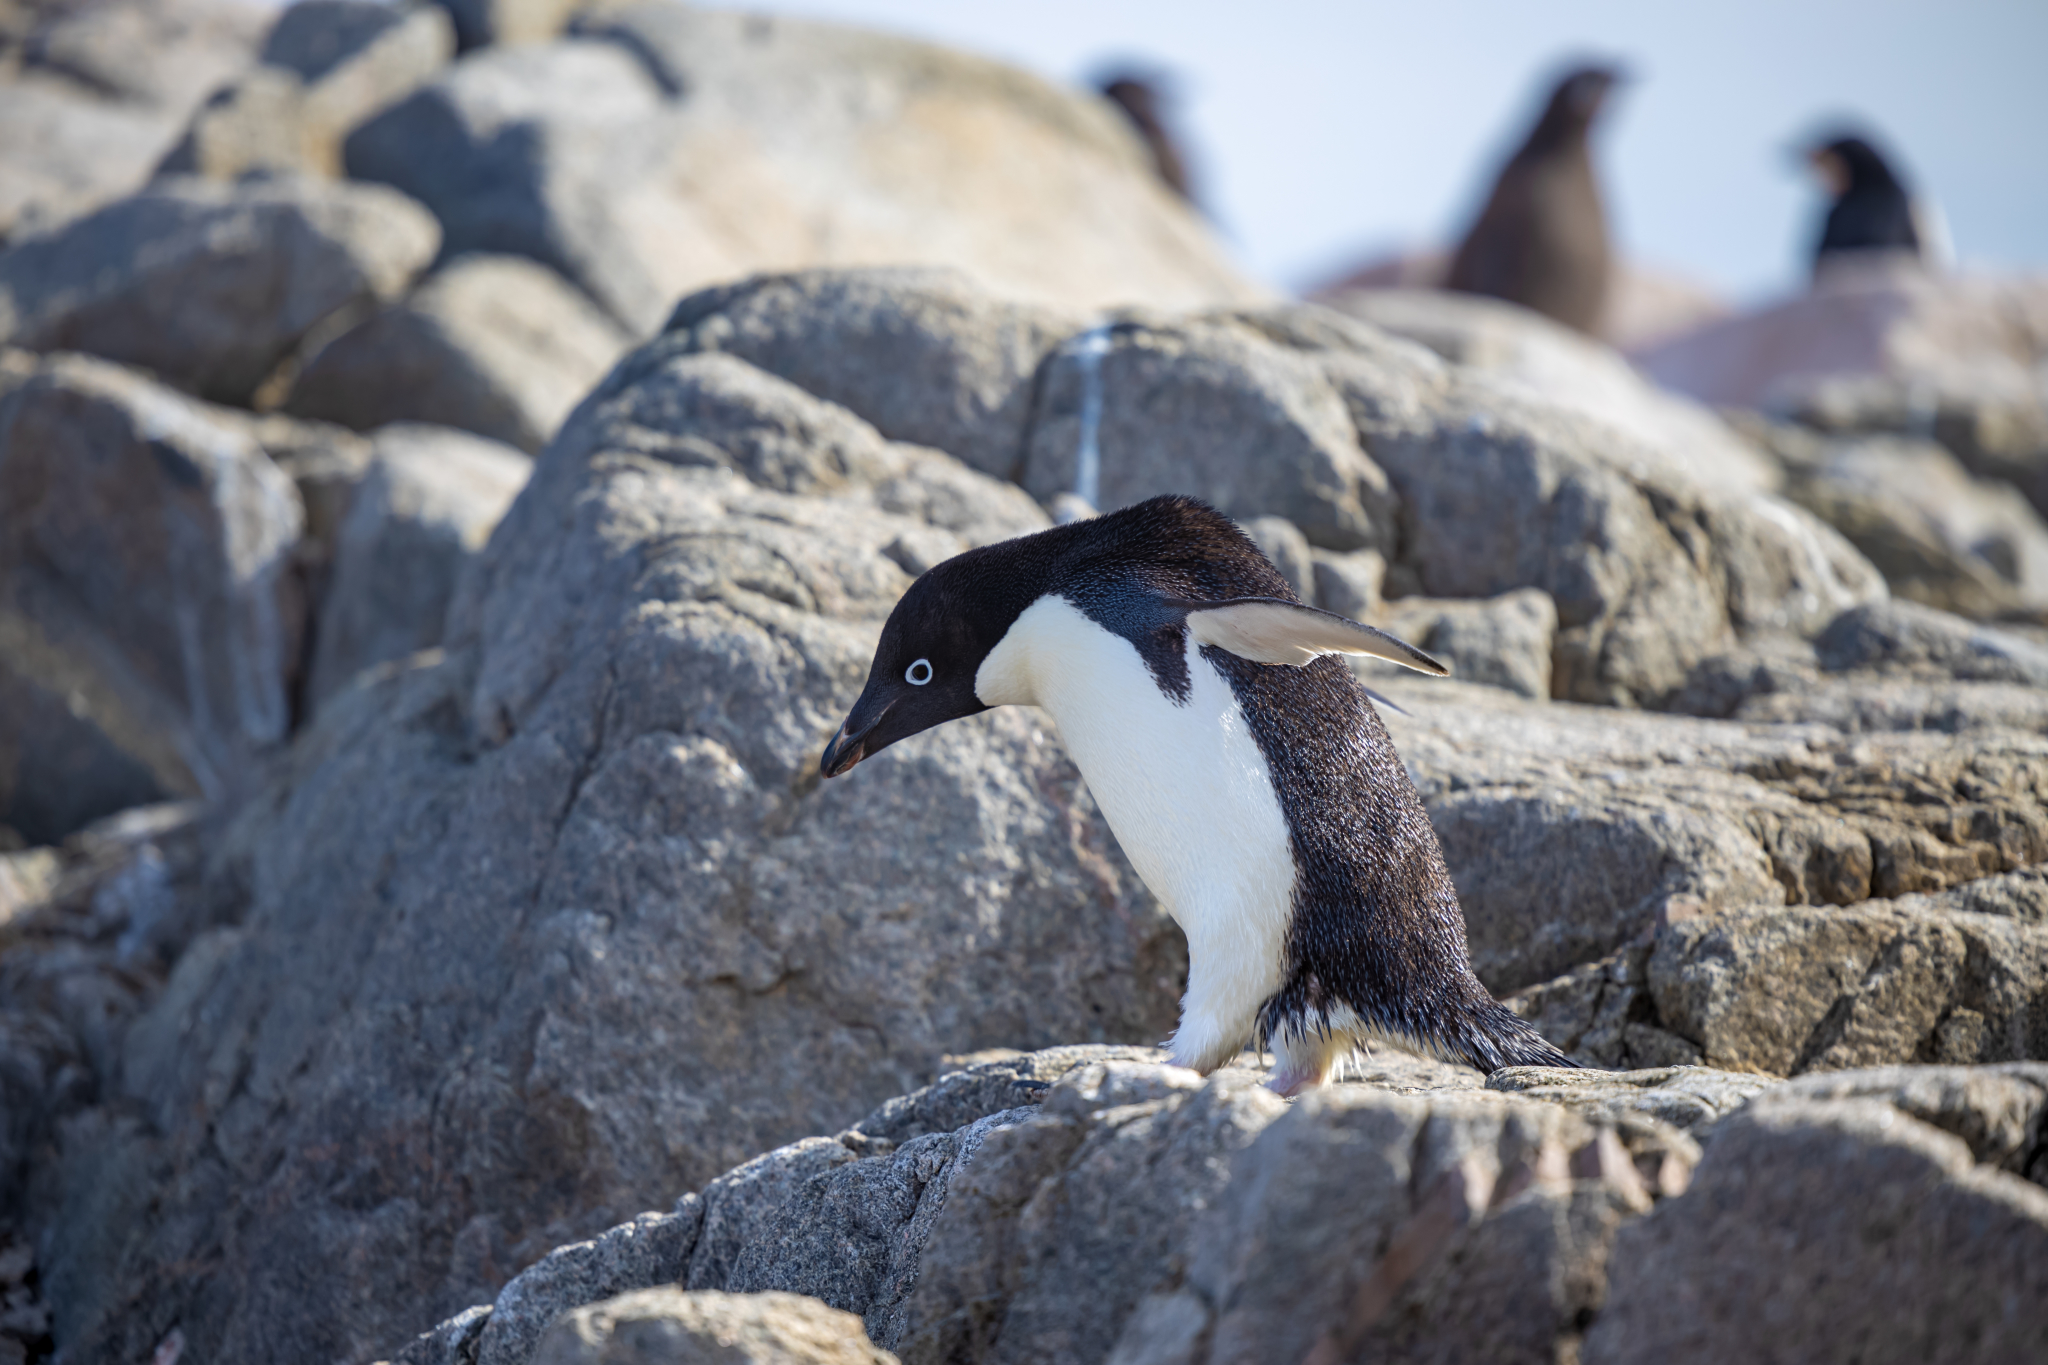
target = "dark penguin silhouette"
x: 1541, y: 240
x: 1873, y: 209
x: 1245, y: 773
x: 1142, y: 103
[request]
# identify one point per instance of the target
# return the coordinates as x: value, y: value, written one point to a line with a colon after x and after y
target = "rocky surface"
x: 326, y: 67
x: 1939, y: 535
x: 496, y: 345
x: 1885, y: 345
x: 212, y: 287
x: 93, y: 95
x: 1401, y: 1214
x: 710, y: 1329
x: 662, y: 148
x: 510, y: 905
x: 427, y: 504
x: 151, y: 616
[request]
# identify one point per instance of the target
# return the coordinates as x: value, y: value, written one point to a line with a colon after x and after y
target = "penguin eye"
x: 919, y: 673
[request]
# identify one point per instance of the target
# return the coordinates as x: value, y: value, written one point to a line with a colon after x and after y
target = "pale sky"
x: 1324, y: 132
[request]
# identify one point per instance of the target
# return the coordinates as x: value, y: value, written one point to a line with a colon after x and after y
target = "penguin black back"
x: 1872, y: 209
x: 1541, y: 239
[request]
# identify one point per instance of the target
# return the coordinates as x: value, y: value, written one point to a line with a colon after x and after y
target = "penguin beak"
x: 849, y: 746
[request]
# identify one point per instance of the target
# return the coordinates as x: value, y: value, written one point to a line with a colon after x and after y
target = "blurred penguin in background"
x: 1143, y: 101
x: 1873, y: 208
x: 1541, y: 240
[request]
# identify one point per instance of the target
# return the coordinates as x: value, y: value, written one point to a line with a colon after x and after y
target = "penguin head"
x: 1847, y: 164
x: 1579, y: 97
x: 924, y: 666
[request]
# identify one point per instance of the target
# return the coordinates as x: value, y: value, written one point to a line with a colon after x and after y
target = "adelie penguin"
x: 1244, y: 771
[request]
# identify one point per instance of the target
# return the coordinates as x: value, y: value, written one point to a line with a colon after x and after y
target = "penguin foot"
x: 1305, y: 1061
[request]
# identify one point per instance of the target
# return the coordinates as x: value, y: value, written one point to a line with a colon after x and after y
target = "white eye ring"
x: 919, y: 673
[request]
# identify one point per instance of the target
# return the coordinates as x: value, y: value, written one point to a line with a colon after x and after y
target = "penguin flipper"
x: 1267, y: 630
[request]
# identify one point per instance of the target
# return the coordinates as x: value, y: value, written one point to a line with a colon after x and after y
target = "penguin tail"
x: 1491, y: 1036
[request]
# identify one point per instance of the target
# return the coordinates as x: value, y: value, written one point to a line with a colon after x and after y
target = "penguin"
x: 1242, y: 768
x: 1141, y: 103
x: 1541, y: 240
x: 1873, y: 210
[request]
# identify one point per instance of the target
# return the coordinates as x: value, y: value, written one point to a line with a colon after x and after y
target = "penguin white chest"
x: 1188, y: 793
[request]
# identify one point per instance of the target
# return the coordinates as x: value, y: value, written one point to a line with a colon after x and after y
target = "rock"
x: 483, y: 22
x: 847, y: 148
x: 923, y: 354
x: 1349, y: 584
x: 704, y: 1328
x: 493, y: 344
x: 1503, y: 642
x: 1279, y: 540
x: 100, y: 95
x: 257, y: 125
x: 1888, y: 1241
x: 1881, y: 318
x: 1364, y: 1225
x: 1497, y: 490
x: 314, y: 38
x: 1939, y: 536
x: 1571, y: 830
x: 1919, y: 977
x: 162, y: 53
x: 1054, y: 1211
x: 651, y: 1250
x: 327, y: 66
x: 1887, y: 345
x: 1179, y: 405
x: 428, y: 503
x: 548, y: 909
x: 1532, y: 356
x: 80, y: 954
x: 152, y: 623
x: 1905, y: 637
x: 211, y: 286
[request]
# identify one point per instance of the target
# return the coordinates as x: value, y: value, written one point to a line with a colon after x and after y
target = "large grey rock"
x: 618, y: 157
x: 152, y: 623
x: 427, y: 504
x: 212, y: 286
x: 1179, y: 407
x: 96, y: 93
x: 1885, y: 345
x: 1365, y: 1225
x: 1903, y: 637
x: 496, y: 345
x: 1929, y: 977
x: 1940, y: 536
x: 482, y: 22
x: 1571, y: 830
x: 549, y: 915
x: 1827, y: 1228
x: 653, y: 1249
x: 708, y: 1328
x: 1530, y: 355
x: 923, y: 354
x: 1503, y: 642
x: 1197, y: 1221
x: 327, y: 66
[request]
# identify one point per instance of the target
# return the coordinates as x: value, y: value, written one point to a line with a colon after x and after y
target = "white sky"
x: 1326, y: 131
